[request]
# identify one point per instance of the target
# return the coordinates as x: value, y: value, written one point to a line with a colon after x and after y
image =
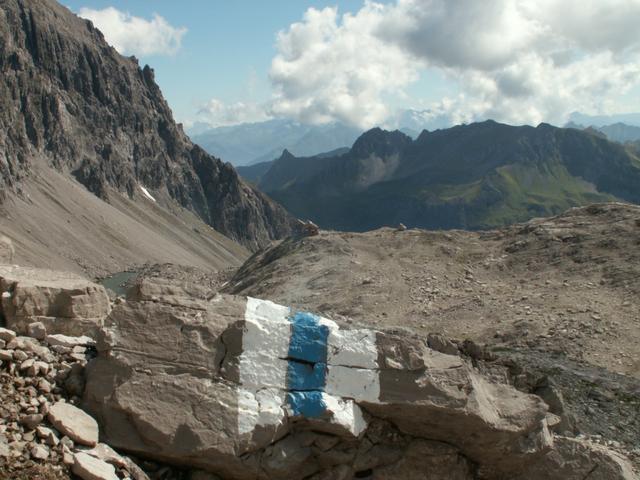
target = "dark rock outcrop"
x: 71, y: 102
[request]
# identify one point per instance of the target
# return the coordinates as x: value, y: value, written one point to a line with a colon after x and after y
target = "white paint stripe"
x: 352, y: 370
x: 353, y: 348
x: 345, y: 414
x: 353, y: 365
x: 359, y: 384
x: 263, y: 370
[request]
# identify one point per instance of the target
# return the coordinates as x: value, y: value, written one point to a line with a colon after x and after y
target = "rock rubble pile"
x: 41, y: 381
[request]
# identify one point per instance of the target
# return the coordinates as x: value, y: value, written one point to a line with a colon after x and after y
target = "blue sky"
x: 363, y: 63
x: 227, y: 50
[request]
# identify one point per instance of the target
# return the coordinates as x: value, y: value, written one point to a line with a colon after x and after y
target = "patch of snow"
x: 146, y: 193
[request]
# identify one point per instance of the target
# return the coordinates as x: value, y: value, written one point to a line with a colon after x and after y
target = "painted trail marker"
x: 300, y: 365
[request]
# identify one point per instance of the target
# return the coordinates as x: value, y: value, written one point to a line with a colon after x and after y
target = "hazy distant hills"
x: 252, y: 143
x: 578, y: 118
x: 254, y: 173
x: 471, y: 176
x: 616, y: 132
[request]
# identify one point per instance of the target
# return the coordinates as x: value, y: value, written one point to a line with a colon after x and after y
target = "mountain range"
x: 632, y: 119
x: 74, y: 112
x: 472, y: 176
x: 235, y: 343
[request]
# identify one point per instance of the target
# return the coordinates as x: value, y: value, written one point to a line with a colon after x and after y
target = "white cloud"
x: 219, y: 114
x: 336, y: 68
x: 519, y: 61
x: 131, y: 35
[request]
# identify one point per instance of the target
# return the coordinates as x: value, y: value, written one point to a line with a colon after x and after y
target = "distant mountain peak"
x: 286, y: 154
x: 251, y: 143
x: 380, y: 142
x: 479, y: 175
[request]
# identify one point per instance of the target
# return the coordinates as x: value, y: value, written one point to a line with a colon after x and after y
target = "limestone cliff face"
x: 70, y: 101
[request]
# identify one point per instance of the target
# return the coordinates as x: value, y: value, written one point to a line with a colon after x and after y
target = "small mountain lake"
x: 119, y: 282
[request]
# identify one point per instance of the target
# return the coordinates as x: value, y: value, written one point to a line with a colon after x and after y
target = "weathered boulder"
x: 170, y: 290
x: 248, y: 389
x: 62, y: 302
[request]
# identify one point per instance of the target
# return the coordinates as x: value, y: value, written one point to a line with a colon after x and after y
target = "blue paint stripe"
x: 306, y: 376
x: 308, y: 338
x: 307, y: 369
x: 306, y: 404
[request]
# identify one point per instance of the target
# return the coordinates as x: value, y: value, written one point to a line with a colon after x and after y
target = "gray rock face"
x: 247, y: 389
x: 61, y: 302
x: 70, y: 100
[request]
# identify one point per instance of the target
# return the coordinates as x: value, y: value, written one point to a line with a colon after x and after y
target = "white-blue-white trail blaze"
x: 303, y: 365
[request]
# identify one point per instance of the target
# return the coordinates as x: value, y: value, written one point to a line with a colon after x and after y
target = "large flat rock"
x: 74, y: 423
x: 64, y: 302
x: 249, y: 389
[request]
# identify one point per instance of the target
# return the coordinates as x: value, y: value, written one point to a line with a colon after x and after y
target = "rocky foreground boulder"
x: 248, y: 389
x: 65, y: 303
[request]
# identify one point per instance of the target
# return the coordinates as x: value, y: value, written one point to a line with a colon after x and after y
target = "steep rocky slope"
x: 57, y: 223
x: 471, y: 176
x: 555, y: 298
x: 73, y: 103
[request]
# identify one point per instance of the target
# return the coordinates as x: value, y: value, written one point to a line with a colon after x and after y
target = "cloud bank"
x: 518, y: 61
x: 131, y: 35
x: 218, y: 113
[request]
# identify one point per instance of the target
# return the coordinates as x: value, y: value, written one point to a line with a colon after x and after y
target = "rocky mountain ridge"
x: 72, y: 103
x: 554, y: 298
x: 616, y: 132
x: 471, y: 176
